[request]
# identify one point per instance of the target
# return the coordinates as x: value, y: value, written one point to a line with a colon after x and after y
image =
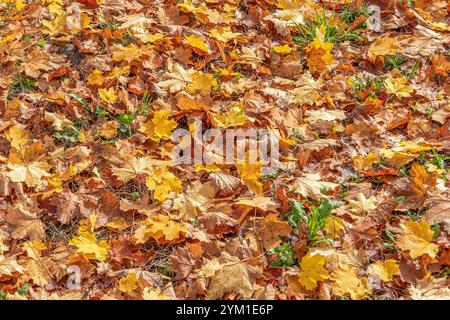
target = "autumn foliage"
x: 94, y: 206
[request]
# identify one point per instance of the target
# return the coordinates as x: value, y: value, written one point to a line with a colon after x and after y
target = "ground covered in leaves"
x: 93, y: 206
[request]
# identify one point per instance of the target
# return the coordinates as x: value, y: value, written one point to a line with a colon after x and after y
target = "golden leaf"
x: 197, y: 42
x: 86, y: 240
x: 385, y: 270
x: 334, y: 226
x: 347, y: 281
x: 233, y: 118
x: 108, y: 96
x: 312, y: 270
x: 250, y: 173
x: 163, y: 182
x: 154, y: 294
x: 382, y: 47
x: 416, y: 238
x: 160, y: 127
x: 18, y: 136
x: 398, y: 87
x: 282, y: 49
x: 158, y: 227
x: 128, y: 283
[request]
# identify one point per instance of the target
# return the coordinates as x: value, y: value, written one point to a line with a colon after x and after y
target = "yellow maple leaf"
x: 385, y: 270
x: 154, y: 294
x: 363, y: 163
x: 159, y: 226
x: 347, y: 282
x: 87, y: 243
x: 108, y: 96
x: 416, y: 238
x: 128, y: 53
x: 160, y: 127
x: 362, y: 204
x: 250, y: 173
x: 398, y: 87
x: 282, y: 49
x: 223, y: 34
x: 234, y: 117
x: 202, y: 83
x: 26, y: 165
x: 382, y: 47
x: 128, y: 283
x: 197, y: 42
x: 312, y: 270
x: 17, y: 135
x: 152, y: 37
x: 133, y: 166
x: 413, y: 147
x: 19, y: 5
x: 163, y: 182
x: 95, y: 78
x: 319, y: 52
x: 334, y: 226
x: 55, y: 26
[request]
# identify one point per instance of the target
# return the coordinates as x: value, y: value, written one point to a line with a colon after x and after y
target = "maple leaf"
x: 87, y: 243
x: 364, y: 163
x: 17, y: 136
x: 223, y: 34
x: 416, y: 238
x: 163, y: 182
x: 319, y: 52
x: 398, y: 87
x: 128, y: 283
x: 260, y: 202
x: 362, y: 204
x: 9, y: 265
x: 160, y: 127
x: 312, y: 270
x: 282, y: 49
x: 430, y: 288
x: 324, y: 115
x: 250, y: 173
x: 334, y: 226
x: 127, y: 54
x: 23, y: 217
x: 108, y: 96
x: 133, y: 166
x: 271, y: 229
x: 59, y: 121
x: 306, y: 93
x: 28, y: 166
x: 202, y: 83
x: 179, y: 78
x: 383, y: 46
x: 197, y: 43
x: 231, y: 277
x: 385, y: 270
x: 249, y: 56
x: 154, y: 294
x: 421, y: 181
x: 347, y: 282
x: 195, y: 200
x: 158, y: 227
x: 311, y: 186
x: 233, y: 118
x: 96, y: 78
x: 439, y: 210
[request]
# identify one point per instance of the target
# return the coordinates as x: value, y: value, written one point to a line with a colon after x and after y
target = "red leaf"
x: 91, y: 4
